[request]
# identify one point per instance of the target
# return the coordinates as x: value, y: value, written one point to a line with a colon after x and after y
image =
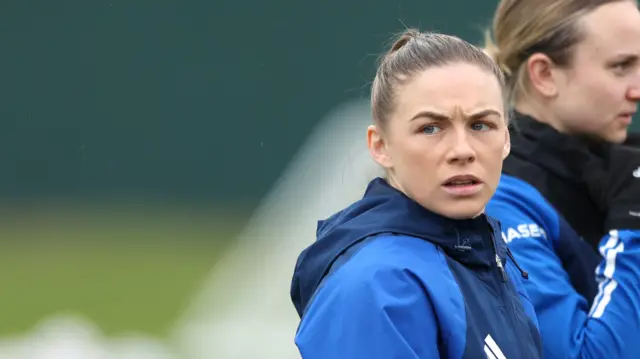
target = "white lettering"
x: 524, y: 230
x: 512, y: 234
x: 535, y: 230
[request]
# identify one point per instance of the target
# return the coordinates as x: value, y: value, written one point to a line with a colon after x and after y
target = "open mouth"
x: 461, y: 182
x: 463, y: 186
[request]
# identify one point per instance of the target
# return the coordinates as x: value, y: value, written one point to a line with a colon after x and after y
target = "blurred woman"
x: 415, y: 269
x: 569, y: 189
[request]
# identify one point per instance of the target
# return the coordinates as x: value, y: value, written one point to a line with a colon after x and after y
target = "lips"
x: 628, y: 114
x: 464, y: 180
x: 462, y: 186
x: 627, y: 117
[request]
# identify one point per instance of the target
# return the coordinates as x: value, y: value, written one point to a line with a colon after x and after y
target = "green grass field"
x: 124, y: 269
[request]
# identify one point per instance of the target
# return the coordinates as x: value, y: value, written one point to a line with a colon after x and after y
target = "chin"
x: 617, y: 137
x: 463, y: 211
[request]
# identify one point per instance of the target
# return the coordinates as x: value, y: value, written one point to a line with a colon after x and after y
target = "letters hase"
x: 525, y: 230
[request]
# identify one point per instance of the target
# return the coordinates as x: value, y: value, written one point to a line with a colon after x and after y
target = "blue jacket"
x: 540, y: 240
x: 388, y: 279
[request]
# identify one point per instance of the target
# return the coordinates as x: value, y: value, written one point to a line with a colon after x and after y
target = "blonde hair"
x: 522, y: 28
x: 414, y: 51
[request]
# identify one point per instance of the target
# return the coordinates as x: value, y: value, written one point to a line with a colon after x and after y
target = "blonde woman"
x: 568, y: 199
x: 415, y: 269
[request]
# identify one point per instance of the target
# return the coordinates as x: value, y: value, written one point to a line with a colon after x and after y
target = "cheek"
x: 416, y: 163
x: 418, y: 160
x: 606, y: 98
x: 597, y: 102
x: 414, y: 150
x: 492, y: 160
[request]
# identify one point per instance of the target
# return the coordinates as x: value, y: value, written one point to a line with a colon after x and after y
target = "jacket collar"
x: 383, y: 209
x: 564, y: 155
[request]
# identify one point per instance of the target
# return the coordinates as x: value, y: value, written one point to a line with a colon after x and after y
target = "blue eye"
x: 431, y: 129
x: 480, y: 127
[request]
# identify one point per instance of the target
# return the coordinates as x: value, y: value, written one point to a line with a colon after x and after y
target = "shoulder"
x: 519, y: 194
x: 522, y: 210
x: 390, y: 255
x: 392, y: 264
x: 377, y: 305
x: 393, y: 273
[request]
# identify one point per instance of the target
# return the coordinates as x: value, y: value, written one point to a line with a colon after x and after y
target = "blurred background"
x: 163, y: 163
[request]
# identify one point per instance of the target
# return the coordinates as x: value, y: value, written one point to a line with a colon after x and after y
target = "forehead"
x: 450, y: 88
x: 612, y: 29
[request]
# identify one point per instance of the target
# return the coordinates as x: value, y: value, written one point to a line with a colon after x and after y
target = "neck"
x: 541, y: 114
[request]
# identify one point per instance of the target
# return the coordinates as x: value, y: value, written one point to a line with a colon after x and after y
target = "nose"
x: 634, y: 93
x: 461, y: 151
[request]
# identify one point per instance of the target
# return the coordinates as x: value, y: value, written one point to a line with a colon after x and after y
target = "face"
x: 597, y: 95
x: 445, y: 142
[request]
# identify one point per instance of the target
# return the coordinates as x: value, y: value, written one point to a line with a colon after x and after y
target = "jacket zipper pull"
x: 524, y: 274
x: 499, y: 264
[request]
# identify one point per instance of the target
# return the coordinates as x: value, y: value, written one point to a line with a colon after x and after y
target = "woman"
x: 574, y: 80
x: 415, y: 269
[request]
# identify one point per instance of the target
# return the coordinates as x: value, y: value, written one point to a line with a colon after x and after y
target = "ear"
x: 378, y: 147
x: 540, y: 70
x: 507, y: 144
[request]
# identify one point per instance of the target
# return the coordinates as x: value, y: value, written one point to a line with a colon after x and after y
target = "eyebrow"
x: 441, y: 117
x: 624, y: 58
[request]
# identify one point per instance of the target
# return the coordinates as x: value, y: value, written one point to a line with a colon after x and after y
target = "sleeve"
x: 377, y: 313
x: 568, y: 327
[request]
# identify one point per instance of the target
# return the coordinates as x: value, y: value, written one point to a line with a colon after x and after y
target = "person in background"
x: 569, y: 197
x: 415, y: 269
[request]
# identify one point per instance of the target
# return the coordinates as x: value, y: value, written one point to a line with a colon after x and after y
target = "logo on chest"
x: 492, y: 349
x: 525, y: 230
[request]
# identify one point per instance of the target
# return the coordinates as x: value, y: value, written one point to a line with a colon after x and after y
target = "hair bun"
x: 404, y: 38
